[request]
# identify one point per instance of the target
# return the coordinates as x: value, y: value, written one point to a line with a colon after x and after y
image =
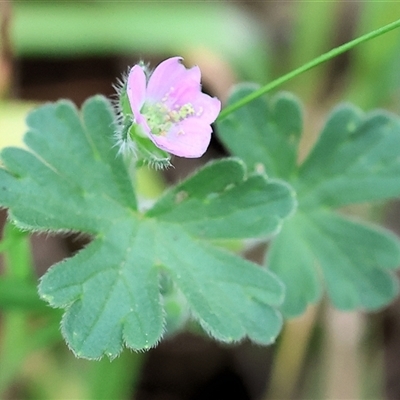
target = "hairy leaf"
x: 71, y: 178
x: 355, y: 160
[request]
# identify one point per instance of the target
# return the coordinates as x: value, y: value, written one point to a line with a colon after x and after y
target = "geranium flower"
x: 170, y: 108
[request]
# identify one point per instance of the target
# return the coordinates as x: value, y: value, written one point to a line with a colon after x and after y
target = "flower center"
x: 161, y: 118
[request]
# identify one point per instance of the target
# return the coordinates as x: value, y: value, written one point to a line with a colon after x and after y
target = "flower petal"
x: 136, y: 89
x: 206, y: 107
x: 189, y: 138
x: 169, y: 76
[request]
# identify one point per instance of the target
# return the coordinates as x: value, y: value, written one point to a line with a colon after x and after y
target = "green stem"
x: 309, y: 65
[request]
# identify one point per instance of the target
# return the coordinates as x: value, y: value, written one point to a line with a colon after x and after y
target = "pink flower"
x: 171, y: 109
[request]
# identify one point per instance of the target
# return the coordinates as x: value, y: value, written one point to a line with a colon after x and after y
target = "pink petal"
x: 190, y: 138
x: 136, y: 90
x: 206, y: 107
x: 169, y: 76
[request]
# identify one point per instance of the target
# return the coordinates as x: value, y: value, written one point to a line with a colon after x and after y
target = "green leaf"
x: 264, y: 133
x: 356, y: 159
x: 215, y: 203
x: 354, y: 261
x: 73, y: 179
x: 71, y: 174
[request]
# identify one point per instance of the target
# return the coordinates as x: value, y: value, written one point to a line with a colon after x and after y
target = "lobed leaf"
x: 72, y: 178
x: 356, y: 159
x: 263, y: 132
x: 221, y: 202
x: 352, y: 260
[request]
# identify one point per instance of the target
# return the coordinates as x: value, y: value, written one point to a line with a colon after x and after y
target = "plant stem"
x: 307, y: 66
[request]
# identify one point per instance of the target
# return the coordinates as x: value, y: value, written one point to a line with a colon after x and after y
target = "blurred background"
x: 75, y: 49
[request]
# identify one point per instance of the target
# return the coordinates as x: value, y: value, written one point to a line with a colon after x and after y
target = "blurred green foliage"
x: 73, y: 28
